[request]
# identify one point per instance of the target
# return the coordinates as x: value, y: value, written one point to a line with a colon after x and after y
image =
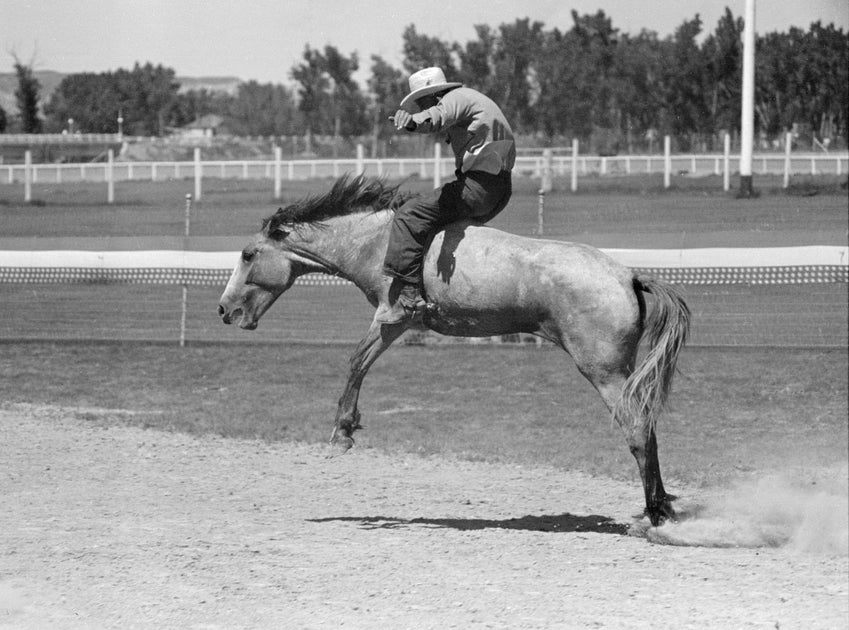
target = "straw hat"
x: 425, y: 82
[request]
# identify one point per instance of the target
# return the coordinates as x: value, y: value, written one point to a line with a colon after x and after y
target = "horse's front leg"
x: 378, y: 338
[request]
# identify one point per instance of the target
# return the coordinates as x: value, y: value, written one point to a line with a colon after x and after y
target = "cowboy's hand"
x: 404, y: 120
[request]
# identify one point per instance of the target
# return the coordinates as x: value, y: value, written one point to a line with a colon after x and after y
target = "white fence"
x: 545, y: 165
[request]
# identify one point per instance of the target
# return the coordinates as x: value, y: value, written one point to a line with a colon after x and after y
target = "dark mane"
x: 347, y: 196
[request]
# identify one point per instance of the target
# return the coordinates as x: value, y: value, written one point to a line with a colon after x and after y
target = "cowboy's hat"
x: 424, y: 82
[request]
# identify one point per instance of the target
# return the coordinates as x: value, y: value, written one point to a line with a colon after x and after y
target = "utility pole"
x: 747, y: 113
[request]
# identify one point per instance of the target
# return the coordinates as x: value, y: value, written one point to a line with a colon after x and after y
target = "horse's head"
x: 266, y: 268
x: 311, y: 235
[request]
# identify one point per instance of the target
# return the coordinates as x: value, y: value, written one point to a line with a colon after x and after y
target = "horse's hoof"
x: 339, y: 446
x: 662, y: 514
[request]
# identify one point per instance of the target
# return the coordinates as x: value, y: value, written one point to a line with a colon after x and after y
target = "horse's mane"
x: 347, y: 196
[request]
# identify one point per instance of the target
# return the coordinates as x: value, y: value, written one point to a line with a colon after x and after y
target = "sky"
x: 262, y: 40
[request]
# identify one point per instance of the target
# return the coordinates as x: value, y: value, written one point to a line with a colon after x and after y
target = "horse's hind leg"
x: 642, y: 442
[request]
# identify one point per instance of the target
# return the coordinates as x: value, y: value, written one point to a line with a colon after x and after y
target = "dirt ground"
x: 115, y: 527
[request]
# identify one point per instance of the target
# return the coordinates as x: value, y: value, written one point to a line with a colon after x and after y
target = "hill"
x: 50, y: 80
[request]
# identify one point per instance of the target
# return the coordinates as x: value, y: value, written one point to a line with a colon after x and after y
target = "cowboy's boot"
x: 403, y: 302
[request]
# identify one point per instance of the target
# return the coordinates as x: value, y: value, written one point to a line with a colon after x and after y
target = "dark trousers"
x: 473, y: 195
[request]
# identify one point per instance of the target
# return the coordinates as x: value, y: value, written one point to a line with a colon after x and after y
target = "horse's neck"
x: 353, y: 246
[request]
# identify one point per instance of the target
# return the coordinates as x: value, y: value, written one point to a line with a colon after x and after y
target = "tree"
x: 501, y: 66
x: 421, y: 51
x: 3, y: 120
x: 146, y: 98
x: 91, y: 100
x: 330, y: 100
x: 723, y: 66
x: 262, y: 110
x: 388, y: 87
x: 636, y: 85
x: 683, y: 85
x: 27, y: 97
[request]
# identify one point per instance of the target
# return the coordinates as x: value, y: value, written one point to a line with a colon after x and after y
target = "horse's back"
x: 464, y: 253
x: 506, y: 282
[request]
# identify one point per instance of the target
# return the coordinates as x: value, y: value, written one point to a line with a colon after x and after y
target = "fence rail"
x: 543, y: 166
x: 690, y: 164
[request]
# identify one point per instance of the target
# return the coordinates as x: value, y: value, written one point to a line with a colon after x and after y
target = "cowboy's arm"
x: 450, y: 111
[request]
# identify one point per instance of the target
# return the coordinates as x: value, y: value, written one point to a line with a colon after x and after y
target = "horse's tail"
x: 666, y: 329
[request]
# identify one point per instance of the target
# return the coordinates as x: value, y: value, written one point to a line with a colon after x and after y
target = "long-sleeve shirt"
x: 477, y: 130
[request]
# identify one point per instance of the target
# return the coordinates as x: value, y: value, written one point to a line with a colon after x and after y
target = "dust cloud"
x: 807, y: 514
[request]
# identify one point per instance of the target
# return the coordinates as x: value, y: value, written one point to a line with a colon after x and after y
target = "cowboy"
x: 484, y: 154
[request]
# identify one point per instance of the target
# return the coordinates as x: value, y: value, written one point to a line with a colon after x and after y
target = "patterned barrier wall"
x: 755, y: 296
x: 717, y: 265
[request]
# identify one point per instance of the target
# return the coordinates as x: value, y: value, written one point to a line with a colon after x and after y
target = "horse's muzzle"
x: 229, y: 316
x: 224, y: 315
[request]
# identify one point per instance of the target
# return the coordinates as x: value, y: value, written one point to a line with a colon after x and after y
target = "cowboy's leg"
x: 414, y: 222
x: 483, y: 195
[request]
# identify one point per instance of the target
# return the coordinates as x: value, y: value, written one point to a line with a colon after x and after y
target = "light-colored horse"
x: 480, y: 282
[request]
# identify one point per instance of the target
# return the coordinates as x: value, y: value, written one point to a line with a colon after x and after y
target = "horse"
x: 480, y: 281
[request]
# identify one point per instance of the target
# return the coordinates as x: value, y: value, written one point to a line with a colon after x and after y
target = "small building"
x: 203, y: 127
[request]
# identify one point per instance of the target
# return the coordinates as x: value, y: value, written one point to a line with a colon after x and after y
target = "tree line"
x: 612, y: 89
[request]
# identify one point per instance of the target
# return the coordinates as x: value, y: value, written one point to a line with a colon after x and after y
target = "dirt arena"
x: 115, y: 527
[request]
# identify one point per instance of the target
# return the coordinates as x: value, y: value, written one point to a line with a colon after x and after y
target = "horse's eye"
x: 248, y: 256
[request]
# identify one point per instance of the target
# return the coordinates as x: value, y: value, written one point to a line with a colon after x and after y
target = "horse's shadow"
x: 552, y: 523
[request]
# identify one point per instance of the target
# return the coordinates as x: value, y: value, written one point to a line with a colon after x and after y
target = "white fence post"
x: 361, y: 168
x: 110, y: 176
x: 667, y: 161
x: 437, y: 164
x: 726, y: 172
x: 546, y: 179
x: 574, y: 164
x: 28, y: 176
x: 788, y: 147
x: 198, y: 174
x: 278, y: 172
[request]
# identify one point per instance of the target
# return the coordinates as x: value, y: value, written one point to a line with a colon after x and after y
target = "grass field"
x: 733, y: 411
x: 628, y: 212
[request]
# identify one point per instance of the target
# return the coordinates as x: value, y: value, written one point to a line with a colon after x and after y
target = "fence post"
x: 184, y: 301
x: 788, y: 147
x: 726, y: 172
x: 278, y: 168
x: 437, y: 164
x: 546, y: 178
x: 198, y: 174
x: 28, y: 176
x: 667, y: 161
x: 574, y: 164
x: 110, y: 176
x: 361, y: 168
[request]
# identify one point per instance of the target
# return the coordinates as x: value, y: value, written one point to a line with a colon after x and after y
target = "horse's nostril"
x: 220, y: 310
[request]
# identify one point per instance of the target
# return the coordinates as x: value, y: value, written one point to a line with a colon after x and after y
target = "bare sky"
x: 263, y: 39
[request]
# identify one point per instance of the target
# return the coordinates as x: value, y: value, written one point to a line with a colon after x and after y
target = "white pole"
x: 184, y: 302
x: 546, y: 183
x: 198, y: 174
x: 28, y: 176
x: 361, y: 168
x: 278, y: 172
x: 574, y: 164
x: 667, y: 161
x: 726, y: 165
x: 788, y: 147
x: 437, y: 164
x: 110, y: 176
x: 747, y: 115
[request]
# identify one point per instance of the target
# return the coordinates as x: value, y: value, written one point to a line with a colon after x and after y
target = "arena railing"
x: 775, y: 296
